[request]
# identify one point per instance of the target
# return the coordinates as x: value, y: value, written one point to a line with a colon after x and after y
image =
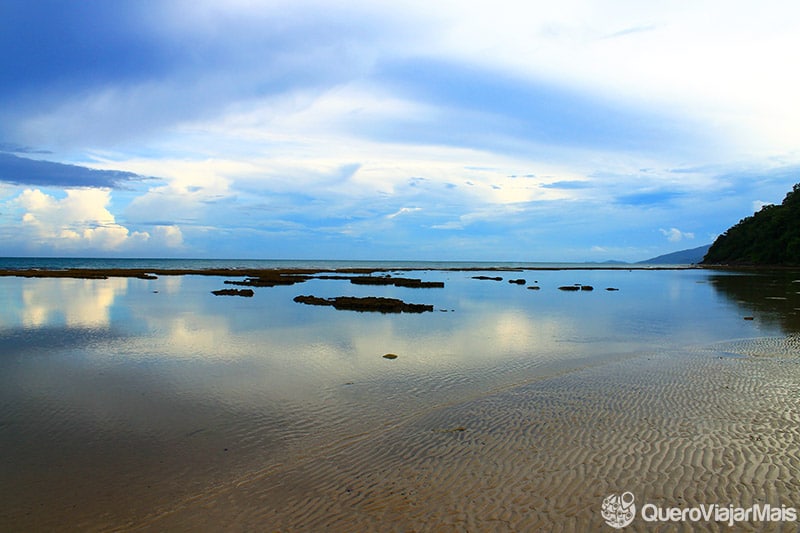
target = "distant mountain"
x: 682, y: 257
x: 768, y: 237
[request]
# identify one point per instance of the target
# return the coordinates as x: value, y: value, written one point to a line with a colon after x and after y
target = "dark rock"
x: 234, y: 292
x: 490, y: 278
x: 569, y: 288
x: 534, y: 288
x: 517, y: 281
x: 397, y: 282
x: 612, y: 289
x: 390, y: 356
x: 270, y: 280
x: 587, y: 288
x: 369, y: 303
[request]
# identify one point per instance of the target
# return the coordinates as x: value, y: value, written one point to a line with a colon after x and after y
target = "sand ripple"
x: 675, y: 428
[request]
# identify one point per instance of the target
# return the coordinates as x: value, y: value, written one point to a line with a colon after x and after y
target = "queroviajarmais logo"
x: 618, y: 510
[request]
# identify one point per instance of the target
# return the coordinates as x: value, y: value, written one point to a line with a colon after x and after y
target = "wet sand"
x: 716, y: 424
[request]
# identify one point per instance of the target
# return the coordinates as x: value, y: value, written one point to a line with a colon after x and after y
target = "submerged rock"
x: 397, y: 282
x: 270, y: 279
x: 248, y: 293
x: 369, y: 303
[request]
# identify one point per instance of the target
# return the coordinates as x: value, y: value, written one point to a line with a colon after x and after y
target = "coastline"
x: 104, y: 273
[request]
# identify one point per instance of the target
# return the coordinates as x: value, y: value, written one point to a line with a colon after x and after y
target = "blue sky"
x: 526, y: 131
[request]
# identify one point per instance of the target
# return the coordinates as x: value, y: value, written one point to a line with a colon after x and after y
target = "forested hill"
x: 769, y: 237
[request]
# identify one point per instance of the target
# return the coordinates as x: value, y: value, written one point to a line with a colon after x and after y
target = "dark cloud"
x: 23, y: 171
x: 120, y: 69
x: 20, y: 149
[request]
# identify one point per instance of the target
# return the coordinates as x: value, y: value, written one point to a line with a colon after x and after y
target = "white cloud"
x: 404, y: 211
x: 676, y: 235
x: 81, y: 221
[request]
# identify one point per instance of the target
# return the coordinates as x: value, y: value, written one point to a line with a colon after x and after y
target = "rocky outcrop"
x: 397, y: 282
x: 369, y: 303
x: 270, y: 280
x: 489, y: 278
x: 248, y: 293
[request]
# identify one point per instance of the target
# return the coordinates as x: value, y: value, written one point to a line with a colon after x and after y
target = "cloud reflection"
x: 74, y: 302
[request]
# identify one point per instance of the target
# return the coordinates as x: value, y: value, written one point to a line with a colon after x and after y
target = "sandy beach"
x: 716, y: 425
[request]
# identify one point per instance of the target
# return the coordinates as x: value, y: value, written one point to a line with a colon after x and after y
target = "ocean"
x: 60, y: 263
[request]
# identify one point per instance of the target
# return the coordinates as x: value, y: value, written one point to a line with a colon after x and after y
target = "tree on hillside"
x: 769, y: 237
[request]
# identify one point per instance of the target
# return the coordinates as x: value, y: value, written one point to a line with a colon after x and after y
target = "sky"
x: 576, y: 130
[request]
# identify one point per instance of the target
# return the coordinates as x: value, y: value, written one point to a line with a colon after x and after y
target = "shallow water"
x: 124, y: 399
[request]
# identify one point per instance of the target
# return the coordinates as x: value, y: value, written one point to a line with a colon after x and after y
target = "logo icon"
x: 618, y: 510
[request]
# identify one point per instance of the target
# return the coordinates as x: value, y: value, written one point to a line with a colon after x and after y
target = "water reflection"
x: 137, y: 381
x: 770, y: 297
x: 73, y: 302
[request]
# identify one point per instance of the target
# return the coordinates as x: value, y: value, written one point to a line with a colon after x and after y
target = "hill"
x: 681, y: 257
x: 769, y: 237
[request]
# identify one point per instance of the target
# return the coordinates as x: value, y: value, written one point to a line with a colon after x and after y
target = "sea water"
x: 120, y: 397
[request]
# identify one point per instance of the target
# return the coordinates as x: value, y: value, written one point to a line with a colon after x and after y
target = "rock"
x: 587, y: 288
x: 612, y: 289
x: 490, y: 278
x: 397, y: 282
x: 569, y: 288
x: 248, y: 293
x: 369, y: 303
x: 517, y: 281
x: 534, y: 288
x: 749, y: 318
x: 390, y: 356
x: 271, y: 279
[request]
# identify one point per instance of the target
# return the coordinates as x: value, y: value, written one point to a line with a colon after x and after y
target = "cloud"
x: 404, y: 211
x: 676, y: 235
x: 153, y: 66
x: 649, y: 198
x: 23, y: 171
x: 81, y: 221
x: 306, y: 126
x: 568, y: 184
x: 480, y: 106
x: 19, y: 149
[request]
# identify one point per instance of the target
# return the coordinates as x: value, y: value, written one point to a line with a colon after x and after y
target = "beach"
x: 152, y: 405
x: 675, y: 429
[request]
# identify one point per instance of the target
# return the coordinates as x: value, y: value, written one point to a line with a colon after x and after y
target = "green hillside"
x: 769, y: 237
